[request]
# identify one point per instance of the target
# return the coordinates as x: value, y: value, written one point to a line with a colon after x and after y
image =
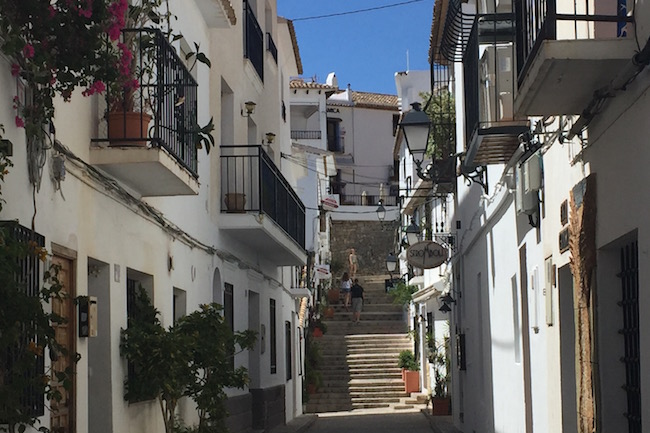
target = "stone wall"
x: 371, y: 240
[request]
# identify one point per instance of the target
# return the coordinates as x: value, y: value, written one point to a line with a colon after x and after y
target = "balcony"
x: 491, y: 128
x: 217, y: 13
x: 566, y: 51
x: 260, y: 209
x: 253, y: 41
x: 148, y: 139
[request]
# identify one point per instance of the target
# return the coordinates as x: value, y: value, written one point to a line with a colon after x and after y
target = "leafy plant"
x: 402, y: 293
x: 441, y: 109
x: 27, y: 334
x: 191, y: 359
x: 407, y: 361
x: 317, y: 323
x: 440, y: 362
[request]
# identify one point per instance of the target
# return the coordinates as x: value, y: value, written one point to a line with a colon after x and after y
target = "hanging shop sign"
x: 330, y: 202
x: 426, y: 255
x: 322, y: 272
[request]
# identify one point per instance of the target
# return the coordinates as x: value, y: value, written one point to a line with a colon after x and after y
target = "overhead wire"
x: 357, y: 11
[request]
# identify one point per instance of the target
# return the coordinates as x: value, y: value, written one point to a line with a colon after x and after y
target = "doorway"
x: 62, y: 416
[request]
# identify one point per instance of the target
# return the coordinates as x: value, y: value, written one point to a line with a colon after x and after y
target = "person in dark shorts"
x: 356, y: 292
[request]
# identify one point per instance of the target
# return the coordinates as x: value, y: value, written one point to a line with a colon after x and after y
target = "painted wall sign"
x: 426, y: 255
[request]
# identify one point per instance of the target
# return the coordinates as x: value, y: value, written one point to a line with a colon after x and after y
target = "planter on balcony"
x: 235, y: 201
x: 125, y: 128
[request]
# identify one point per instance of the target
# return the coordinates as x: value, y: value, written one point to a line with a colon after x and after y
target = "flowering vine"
x: 58, y: 46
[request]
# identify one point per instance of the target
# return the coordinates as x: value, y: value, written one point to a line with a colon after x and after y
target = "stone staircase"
x: 359, y: 360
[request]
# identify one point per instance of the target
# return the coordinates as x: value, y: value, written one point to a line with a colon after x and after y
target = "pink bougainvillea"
x: 28, y: 51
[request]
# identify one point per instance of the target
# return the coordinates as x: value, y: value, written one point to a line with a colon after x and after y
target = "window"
x: 134, y: 309
x: 287, y: 349
x: 228, y: 313
x: 334, y: 142
x: 29, y: 276
x: 273, y: 337
x: 180, y: 304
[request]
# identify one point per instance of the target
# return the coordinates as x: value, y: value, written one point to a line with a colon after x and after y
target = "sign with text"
x: 426, y: 255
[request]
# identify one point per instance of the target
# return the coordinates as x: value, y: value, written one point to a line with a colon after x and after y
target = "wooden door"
x: 62, y: 416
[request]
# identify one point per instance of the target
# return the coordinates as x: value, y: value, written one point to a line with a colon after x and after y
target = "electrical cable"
x: 358, y: 11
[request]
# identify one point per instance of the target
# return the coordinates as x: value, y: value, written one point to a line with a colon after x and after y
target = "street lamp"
x: 445, y: 308
x: 416, y: 127
x: 447, y: 299
x: 412, y: 233
x: 391, y: 264
x: 381, y: 211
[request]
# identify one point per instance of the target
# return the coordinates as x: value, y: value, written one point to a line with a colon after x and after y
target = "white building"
x: 116, y: 217
x: 546, y: 325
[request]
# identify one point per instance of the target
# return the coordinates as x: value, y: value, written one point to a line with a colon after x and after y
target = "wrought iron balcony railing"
x: 253, y: 41
x: 270, y: 47
x: 163, y: 104
x: 250, y: 182
x: 367, y: 200
x: 305, y: 135
x: 539, y: 20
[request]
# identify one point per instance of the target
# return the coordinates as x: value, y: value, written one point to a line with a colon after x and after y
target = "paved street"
x: 414, y: 422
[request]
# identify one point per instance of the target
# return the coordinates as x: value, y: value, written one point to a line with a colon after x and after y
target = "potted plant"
x: 317, y: 327
x: 313, y: 357
x: 402, y: 293
x: 134, y: 96
x: 441, y: 402
x: 410, y: 371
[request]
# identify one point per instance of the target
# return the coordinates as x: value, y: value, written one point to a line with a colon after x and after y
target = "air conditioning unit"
x: 525, y: 201
x: 532, y: 172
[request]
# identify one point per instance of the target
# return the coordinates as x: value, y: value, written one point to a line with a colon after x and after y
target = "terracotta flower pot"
x: 125, y: 127
x: 317, y: 333
x: 333, y: 296
x: 235, y: 201
x: 441, y: 406
x: 329, y: 312
x: 411, y: 381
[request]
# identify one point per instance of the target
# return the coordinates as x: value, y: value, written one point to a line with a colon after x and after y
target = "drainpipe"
x: 636, y: 64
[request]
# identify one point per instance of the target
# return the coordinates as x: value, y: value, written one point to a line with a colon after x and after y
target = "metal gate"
x: 629, y: 276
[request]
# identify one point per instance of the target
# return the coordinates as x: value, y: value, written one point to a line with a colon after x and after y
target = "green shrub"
x: 407, y: 361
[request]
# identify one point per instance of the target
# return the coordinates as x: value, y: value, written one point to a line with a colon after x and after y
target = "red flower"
x: 28, y: 51
x: 52, y: 11
x: 15, y: 69
x: 20, y: 122
x: 97, y: 87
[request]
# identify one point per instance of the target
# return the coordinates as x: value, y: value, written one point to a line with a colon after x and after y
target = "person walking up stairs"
x: 359, y: 359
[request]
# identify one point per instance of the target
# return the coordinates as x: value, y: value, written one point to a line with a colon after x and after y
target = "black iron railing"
x: 253, y: 41
x: 250, y: 182
x: 470, y: 76
x: 455, y: 32
x: 28, y: 276
x: 305, y: 135
x: 367, y: 200
x: 629, y: 275
x: 539, y: 20
x: 270, y: 47
x: 163, y: 103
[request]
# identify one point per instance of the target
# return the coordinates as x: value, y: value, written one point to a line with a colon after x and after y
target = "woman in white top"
x: 346, y: 284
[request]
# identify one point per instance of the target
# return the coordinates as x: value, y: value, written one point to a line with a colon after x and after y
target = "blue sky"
x: 364, y: 49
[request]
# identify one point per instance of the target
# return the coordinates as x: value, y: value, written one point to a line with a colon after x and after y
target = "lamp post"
x: 391, y: 264
x: 381, y: 211
x: 412, y: 233
x: 416, y: 127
